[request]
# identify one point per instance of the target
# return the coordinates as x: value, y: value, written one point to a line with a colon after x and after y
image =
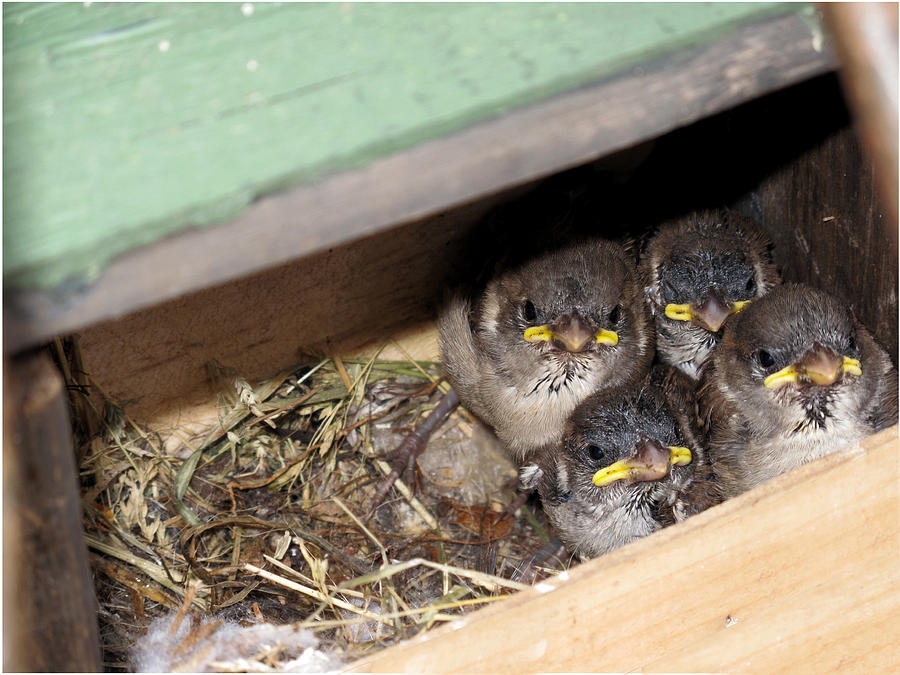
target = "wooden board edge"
x: 525, y: 144
x: 48, y: 591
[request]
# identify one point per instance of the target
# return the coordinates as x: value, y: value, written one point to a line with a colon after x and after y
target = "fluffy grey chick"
x: 630, y: 463
x: 697, y: 272
x: 545, y: 335
x: 794, y: 378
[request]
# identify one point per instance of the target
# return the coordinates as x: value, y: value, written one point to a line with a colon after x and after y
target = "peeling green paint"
x: 124, y: 123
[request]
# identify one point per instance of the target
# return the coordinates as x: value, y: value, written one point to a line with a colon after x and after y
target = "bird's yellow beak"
x: 652, y: 462
x: 679, y: 312
x: 699, y: 316
x: 821, y: 372
x: 607, y: 337
x: 851, y: 366
x: 546, y: 334
x: 538, y: 334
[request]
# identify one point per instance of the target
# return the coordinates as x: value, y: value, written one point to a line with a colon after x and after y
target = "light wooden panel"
x: 800, y: 575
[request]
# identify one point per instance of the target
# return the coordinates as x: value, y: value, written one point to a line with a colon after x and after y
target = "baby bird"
x: 697, y: 272
x: 795, y: 377
x: 629, y: 464
x: 545, y: 335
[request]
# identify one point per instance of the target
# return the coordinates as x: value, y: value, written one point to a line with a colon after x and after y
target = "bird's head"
x: 578, y: 307
x: 623, y: 457
x: 620, y: 444
x: 793, y: 353
x: 705, y: 268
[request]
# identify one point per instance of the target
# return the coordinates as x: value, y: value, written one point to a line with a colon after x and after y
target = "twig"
x: 339, y: 366
x: 365, y: 529
x: 185, y: 606
x: 303, y: 577
x: 311, y: 592
x: 487, y: 581
x: 356, y: 564
x: 337, y: 623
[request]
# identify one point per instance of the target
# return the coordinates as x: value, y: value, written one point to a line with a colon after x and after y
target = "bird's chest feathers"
x: 812, y: 441
x: 810, y: 433
x: 541, y: 408
x: 822, y: 419
x: 610, y: 524
x: 684, y: 347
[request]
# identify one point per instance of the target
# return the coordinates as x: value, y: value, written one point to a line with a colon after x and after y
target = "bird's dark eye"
x: 615, y: 314
x: 595, y: 452
x: 851, y: 344
x: 763, y: 358
x: 528, y: 311
x: 751, y: 285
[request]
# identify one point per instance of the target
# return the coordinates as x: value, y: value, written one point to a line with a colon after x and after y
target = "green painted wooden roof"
x: 124, y: 123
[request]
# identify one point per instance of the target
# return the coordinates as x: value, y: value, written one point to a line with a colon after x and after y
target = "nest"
x: 274, y: 516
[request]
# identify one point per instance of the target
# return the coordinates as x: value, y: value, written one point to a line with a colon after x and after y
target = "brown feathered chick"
x: 697, y: 272
x: 545, y: 335
x: 630, y: 463
x: 794, y: 378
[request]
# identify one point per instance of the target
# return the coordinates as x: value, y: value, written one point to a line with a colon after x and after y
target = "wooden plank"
x: 532, y: 141
x: 798, y: 575
x: 49, y: 606
x: 865, y: 35
x: 125, y: 123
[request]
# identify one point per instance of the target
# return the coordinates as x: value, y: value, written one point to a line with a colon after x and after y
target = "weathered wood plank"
x: 865, y: 35
x: 799, y: 575
x: 125, y: 123
x: 49, y: 606
x: 532, y: 141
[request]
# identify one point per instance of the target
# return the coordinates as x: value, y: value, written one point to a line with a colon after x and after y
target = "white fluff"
x: 230, y: 648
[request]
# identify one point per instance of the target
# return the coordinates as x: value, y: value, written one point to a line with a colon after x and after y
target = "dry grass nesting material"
x: 270, y: 517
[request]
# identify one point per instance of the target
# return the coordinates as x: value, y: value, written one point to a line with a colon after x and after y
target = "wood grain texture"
x: 798, y: 575
x: 125, y: 123
x: 49, y: 607
x: 507, y: 150
x: 831, y: 230
x: 866, y: 39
